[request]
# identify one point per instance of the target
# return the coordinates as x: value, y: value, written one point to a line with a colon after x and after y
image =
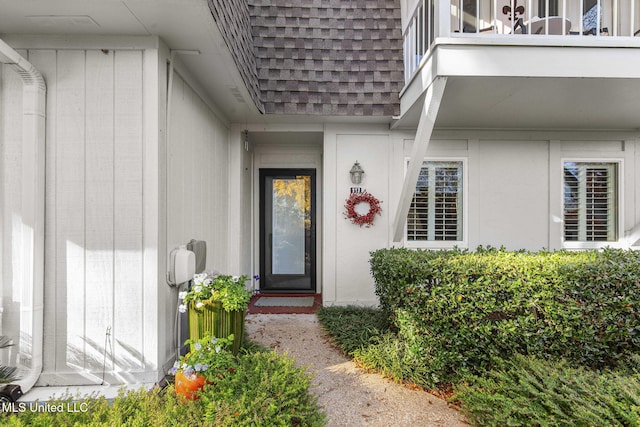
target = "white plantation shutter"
x: 590, y: 201
x: 436, y: 208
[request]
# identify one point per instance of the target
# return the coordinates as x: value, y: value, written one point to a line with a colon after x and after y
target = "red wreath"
x: 356, y: 218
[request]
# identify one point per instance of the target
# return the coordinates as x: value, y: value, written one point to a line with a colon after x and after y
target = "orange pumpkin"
x: 187, y: 386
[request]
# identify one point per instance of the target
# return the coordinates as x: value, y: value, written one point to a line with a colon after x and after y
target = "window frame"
x: 444, y: 244
x: 619, y: 229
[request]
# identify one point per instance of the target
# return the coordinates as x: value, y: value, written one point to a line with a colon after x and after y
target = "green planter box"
x: 212, y: 320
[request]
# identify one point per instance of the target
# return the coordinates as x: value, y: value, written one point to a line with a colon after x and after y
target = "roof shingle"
x: 332, y: 57
x: 328, y: 57
x: 232, y: 18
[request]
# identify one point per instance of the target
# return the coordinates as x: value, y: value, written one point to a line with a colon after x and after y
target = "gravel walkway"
x: 349, y: 396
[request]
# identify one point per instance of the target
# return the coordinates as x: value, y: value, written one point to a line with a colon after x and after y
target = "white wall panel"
x: 346, y: 277
x: 355, y: 284
x: 70, y: 209
x: 10, y: 208
x: 198, y: 183
x: 514, y: 194
x: 94, y: 214
x: 99, y: 203
x: 128, y: 279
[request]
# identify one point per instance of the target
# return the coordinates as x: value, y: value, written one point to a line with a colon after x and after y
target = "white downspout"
x: 33, y: 187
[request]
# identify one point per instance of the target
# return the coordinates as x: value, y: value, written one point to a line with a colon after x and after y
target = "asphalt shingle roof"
x: 328, y: 57
x: 232, y: 18
x: 317, y: 57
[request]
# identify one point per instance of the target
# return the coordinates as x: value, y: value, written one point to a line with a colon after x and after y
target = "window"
x: 590, y: 202
x: 436, y: 208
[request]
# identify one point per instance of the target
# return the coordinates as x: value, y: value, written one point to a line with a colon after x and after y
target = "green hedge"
x: 460, y: 309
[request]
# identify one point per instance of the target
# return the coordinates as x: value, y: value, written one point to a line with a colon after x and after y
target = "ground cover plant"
x: 264, y: 389
x: 365, y: 334
x: 535, y: 392
x: 353, y: 327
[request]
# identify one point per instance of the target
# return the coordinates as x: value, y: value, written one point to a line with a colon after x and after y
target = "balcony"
x: 583, y: 23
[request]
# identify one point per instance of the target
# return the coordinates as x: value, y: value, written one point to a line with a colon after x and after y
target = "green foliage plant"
x: 534, y: 392
x: 364, y: 334
x: 351, y: 327
x: 228, y: 290
x: 462, y: 309
x: 398, y: 360
x: 210, y: 357
x: 155, y: 408
x: 266, y: 389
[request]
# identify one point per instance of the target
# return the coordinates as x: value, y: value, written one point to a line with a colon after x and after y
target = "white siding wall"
x: 105, y: 207
x: 197, y: 184
x: 94, y: 215
x: 346, y: 273
x: 11, y: 159
x: 513, y: 198
x: 514, y: 186
x: 198, y: 170
x: 515, y: 182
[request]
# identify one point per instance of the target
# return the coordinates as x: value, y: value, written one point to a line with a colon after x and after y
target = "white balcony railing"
x: 516, y: 18
x: 418, y: 36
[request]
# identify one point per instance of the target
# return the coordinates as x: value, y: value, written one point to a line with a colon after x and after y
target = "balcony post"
x: 420, y: 145
x: 442, y: 17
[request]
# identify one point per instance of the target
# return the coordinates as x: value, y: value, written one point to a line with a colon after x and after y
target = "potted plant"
x: 209, y: 359
x: 216, y: 305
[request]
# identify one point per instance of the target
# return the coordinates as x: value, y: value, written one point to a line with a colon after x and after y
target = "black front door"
x: 287, y: 230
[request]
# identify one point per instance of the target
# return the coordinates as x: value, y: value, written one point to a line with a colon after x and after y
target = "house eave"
x: 187, y: 25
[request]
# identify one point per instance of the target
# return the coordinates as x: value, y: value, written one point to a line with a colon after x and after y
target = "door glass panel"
x: 290, y: 221
x: 287, y: 231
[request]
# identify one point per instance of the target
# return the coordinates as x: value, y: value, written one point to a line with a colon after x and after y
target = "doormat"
x: 284, y: 302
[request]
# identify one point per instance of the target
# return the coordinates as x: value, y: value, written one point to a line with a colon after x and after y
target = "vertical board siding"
x: 93, y: 241
x: 99, y: 266
x: 198, y: 199
x: 128, y: 210
x: 10, y: 208
x: 70, y: 209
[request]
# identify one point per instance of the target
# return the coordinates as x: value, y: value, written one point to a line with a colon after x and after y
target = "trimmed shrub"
x: 533, y: 392
x: 462, y: 309
x: 266, y: 389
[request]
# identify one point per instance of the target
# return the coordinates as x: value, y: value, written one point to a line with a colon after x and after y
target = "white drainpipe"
x: 33, y: 169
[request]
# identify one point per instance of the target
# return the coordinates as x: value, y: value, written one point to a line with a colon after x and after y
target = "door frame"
x: 263, y: 172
